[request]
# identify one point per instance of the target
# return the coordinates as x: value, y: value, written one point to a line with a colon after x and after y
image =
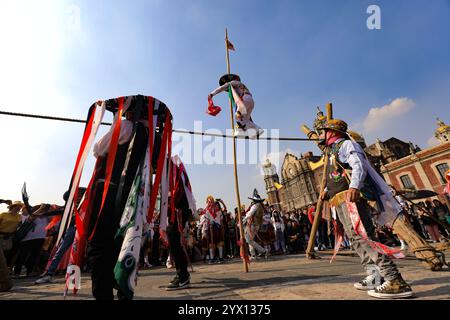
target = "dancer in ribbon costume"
x: 252, y: 223
x: 349, y: 195
x: 244, y: 105
x: 122, y: 192
x: 211, y: 223
x: 184, y: 203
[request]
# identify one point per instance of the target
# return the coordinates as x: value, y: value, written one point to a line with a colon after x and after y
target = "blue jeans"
x: 64, y: 245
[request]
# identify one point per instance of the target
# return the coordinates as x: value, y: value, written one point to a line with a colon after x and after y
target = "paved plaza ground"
x: 283, y: 277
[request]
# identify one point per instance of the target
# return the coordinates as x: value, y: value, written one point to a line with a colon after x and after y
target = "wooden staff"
x: 312, y: 135
x: 236, y: 179
x: 329, y: 108
x: 312, y: 236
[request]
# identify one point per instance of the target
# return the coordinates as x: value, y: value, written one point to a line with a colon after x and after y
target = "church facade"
x: 299, y: 184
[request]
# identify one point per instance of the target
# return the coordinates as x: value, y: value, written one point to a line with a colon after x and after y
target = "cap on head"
x: 15, y: 204
x: 228, y: 77
x: 334, y: 124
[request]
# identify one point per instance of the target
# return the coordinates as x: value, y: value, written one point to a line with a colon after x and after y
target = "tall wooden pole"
x: 310, y: 254
x: 312, y: 237
x: 329, y: 108
x: 318, y: 216
x: 236, y: 179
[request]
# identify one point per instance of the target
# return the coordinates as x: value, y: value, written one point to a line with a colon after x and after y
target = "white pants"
x: 245, y: 107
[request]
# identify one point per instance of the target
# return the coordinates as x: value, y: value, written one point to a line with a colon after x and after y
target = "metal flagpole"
x: 236, y: 181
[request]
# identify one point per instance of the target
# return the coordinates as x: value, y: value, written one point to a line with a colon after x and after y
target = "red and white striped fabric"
x: 159, y: 122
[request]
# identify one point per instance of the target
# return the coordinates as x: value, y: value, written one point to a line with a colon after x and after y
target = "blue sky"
x: 293, y: 55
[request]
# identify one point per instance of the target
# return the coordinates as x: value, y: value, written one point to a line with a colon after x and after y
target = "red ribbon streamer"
x: 162, y: 153
x: 110, y: 160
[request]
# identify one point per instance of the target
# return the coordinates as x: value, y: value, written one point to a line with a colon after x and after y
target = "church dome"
x: 267, y: 164
x: 442, y: 133
x: 442, y: 127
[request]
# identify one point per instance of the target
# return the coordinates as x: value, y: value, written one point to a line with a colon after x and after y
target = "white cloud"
x: 380, y: 118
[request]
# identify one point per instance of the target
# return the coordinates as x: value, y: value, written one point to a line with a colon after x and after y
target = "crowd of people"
x: 215, y: 240
x: 211, y: 236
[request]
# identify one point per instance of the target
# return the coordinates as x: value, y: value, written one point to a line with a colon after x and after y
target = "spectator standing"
x: 278, y: 224
x: 65, y: 243
x: 441, y: 213
x: 430, y: 225
x: 30, y: 246
x: 9, y: 222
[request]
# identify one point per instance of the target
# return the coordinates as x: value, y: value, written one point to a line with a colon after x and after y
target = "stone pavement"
x: 286, y: 277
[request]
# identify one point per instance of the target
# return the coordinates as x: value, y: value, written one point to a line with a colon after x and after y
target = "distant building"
x: 442, y: 132
x: 272, y: 181
x: 298, y: 186
x: 381, y: 153
x: 424, y: 169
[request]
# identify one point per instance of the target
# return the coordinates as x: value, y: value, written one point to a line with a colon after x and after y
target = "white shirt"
x: 237, y: 85
x: 38, y: 231
x: 102, y: 146
x: 250, y: 212
x: 352, y: 154
x: 203, y: 223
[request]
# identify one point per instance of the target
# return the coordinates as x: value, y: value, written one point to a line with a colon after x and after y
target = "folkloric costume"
x: 424, y: 252
x: 252, y: 223
x: 212, y: 228
x: 244, y: 105
x: 122, y: 194
x: 346, y: 155
x: 266, y: 232
x: 184, y: 203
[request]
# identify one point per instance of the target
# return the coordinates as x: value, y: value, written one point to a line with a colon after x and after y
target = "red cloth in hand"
x: 212, y: 109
